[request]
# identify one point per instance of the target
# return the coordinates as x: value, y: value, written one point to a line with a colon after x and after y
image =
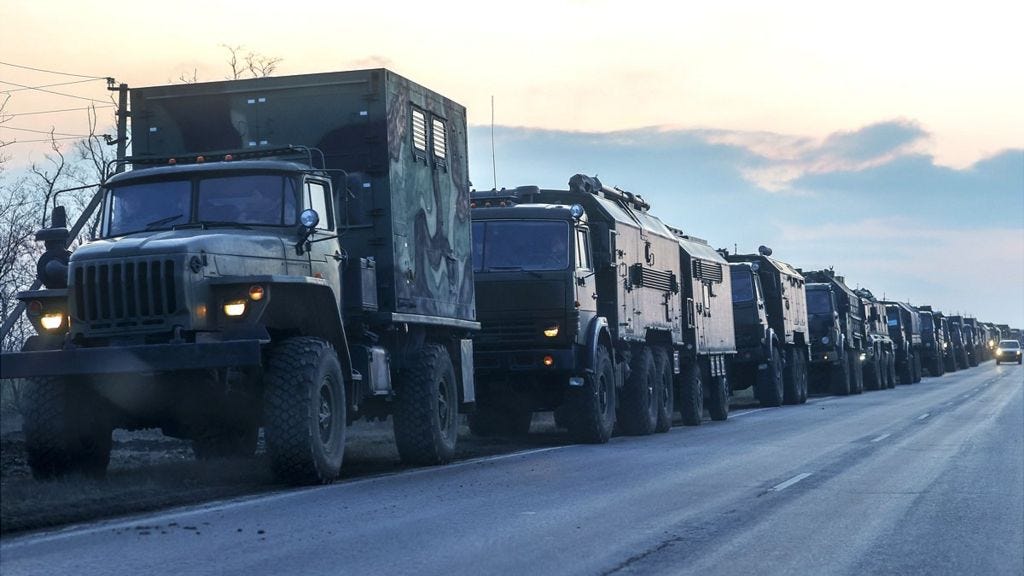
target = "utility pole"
x: 122, y: 122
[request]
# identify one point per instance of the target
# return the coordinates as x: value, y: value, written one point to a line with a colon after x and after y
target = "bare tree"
x: 242, y: 61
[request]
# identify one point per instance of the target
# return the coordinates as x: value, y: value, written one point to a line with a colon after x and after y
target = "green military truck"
x: 288, y: 253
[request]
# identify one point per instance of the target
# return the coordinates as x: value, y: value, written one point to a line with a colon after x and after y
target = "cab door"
x: 585, y: 280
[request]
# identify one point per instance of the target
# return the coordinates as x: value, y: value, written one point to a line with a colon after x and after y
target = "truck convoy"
x: 880, y: 354
x: 770, y: 315
x: 837, y: 334
x: 949, y: 363
x: 970, y: 339
x: 290, y: 252
x: 905, y: 331
x: 592, y: 307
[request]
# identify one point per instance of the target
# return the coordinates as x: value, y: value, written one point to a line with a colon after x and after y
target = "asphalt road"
x: 924, y: 479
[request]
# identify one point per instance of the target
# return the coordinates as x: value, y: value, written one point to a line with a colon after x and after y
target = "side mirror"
x: 308, y: 221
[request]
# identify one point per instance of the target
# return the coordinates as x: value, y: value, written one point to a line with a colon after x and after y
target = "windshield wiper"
x: 207, y: 223
x: 162, y: 221
x: 533, y: 273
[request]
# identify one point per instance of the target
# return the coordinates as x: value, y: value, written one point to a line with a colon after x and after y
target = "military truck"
x: 290, y: 252
x: 971, y: 340
x: 770, y: 316
x: 837, y: 334
x: 959, y: 342
x: 905, y: 331
x: 585, y: 311
x: 932, y: 341
x: 880, y: 355
x: 949, y: 363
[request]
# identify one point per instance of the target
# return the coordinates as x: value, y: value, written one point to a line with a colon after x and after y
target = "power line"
x: 46, y: 85
x: 56, y: 111
x: 51, y: 71
x: 41, y: 131
x: 42, y: 140
x: 57, y: 93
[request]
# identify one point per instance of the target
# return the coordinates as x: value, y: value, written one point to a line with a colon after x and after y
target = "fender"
x: 598, y: 326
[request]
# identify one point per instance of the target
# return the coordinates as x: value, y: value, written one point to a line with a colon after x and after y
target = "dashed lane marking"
x: 882, y: 437
x: 790, y: 482
x: 923, y: 416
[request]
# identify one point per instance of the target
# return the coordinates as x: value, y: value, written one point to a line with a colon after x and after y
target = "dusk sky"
x: 885, y: 139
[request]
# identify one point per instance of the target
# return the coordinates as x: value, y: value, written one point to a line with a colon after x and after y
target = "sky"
x: 885, y: 139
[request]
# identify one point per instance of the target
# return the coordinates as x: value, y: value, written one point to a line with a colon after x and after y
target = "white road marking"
x: 882, y: 437
x: 187, y: 511
x: 790, y: 482
x: 923, y: 416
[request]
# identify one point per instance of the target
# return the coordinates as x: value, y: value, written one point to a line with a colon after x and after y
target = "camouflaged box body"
x: 402, y: 146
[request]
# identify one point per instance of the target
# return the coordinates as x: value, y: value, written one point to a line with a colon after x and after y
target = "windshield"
x: 520, y: 245
x: 819, y: 302
x: 259, y: 199
x: 742, y: 284
x: 1008, y: 344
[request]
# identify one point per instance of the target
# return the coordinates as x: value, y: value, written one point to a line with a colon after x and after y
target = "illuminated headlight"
x: 52, y: 321
x: 999, y: 351
x: 552, y: 331
x: 863, y: 356
x: 234, y: 308
x: 945, y: 345
x: 825, y: 340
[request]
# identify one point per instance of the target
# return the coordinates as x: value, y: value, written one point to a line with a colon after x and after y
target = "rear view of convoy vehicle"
x: 837, y: 334
x: 770, y: 316
x: 291, y: 287
x: 592, y: 307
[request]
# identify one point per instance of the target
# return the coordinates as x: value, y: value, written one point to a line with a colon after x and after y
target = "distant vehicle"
x: 1008, y: 351
x: 880, y: 360
x: 932, y: 340
x: 905, y: 330
x: 834, y: 314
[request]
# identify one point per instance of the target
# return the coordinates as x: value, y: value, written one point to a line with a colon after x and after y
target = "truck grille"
x: 508, y: 333
x: 125, y: 292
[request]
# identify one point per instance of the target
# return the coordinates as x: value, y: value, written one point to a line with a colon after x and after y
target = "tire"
x: 907, y: 372
x: 936, y: 368
x: 856, y: 373
x: 770, y: 382
x: 638, y: 411
x: 666, y: 390
x: 591, y: 408
x: 892, y: 371
x: 426, y: 416
x: 691, y: 397
x: 801, y: 371
x: 791, y: 377
x: 839, y: 378
x: 67, y: 429
x: 873, y: 374
x: 305, y: 410
x: 718, y: 394
x: 917, y: 368
x: 490, y: 421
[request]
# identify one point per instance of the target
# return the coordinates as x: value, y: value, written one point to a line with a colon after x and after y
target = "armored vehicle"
x: 932, y: 341
x: 295, y: 288
x: 770, y: 316
x: 585, y: 310
x: 905, y: 330
x: 837, y: 334
x: 879, y: 352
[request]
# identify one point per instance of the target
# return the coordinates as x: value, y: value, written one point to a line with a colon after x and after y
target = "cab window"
x: 316, y: 198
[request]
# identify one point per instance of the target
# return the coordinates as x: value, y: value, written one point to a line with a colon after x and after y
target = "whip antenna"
x: 494, y: 168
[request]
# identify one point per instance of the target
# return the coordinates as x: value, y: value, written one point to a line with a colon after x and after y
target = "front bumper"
x: 564, y: 361
x: 131, y: 359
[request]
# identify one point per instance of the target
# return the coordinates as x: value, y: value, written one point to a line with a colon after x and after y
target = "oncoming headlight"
x: 552, y: 331
x: 234, y: 308
x: 52, y: 321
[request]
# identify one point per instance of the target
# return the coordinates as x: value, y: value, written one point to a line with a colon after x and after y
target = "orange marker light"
x: 228, y: 157
x: 256, y: 293
x: 549, y: 361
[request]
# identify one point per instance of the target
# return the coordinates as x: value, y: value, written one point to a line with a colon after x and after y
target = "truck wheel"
x: 591, y: 408
x: 791, y: 377
x: 856, y: 373
x: 305, y: 410
x: 718, y: 399
x: 892, y: 370
x: 917, y: 368
x: 638, y: 411
x: 770, y: 382
x: 802, y: 376
x: 839, y: 377
x: 873, y: 374
x: 500, y: 421
x: 907, y: 372
x: 691, y: 398
x: 936, y: 368
x: 67, y: 429
x: 666, y: 390
x: 426, y: 408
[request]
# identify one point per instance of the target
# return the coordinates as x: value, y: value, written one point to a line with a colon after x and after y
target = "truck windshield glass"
x: 819, y: 302
x: 742, y: 285
x: 505, y: 245
x: 263, y: 199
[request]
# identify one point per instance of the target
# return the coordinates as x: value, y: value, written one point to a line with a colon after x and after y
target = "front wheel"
x: 691, y: 398
x: 426, y: 408
x: 770, y: 382
x: 839, y: 377
x: 666, y: 390
x: 718, y: 399
x: 591, y: 407
x: 67, y: 429
x: 305, y: 411
x: 638, y: 411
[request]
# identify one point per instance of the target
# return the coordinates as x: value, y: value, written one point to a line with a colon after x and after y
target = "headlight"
x: 945, y: 345
x: 863, y: 357
x: 52, y: 321
x: 234, y: 308
x: 552, y: 331
x: 825, y: 340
